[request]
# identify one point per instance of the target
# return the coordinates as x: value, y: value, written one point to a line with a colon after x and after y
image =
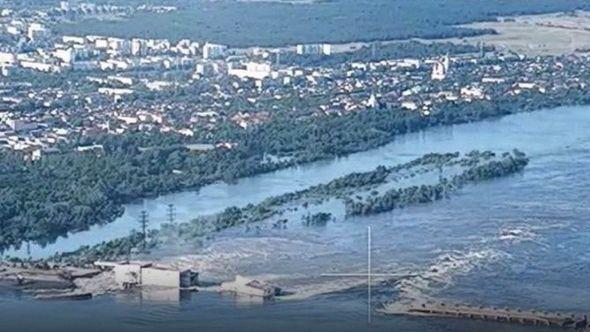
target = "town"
x: 56, y: 89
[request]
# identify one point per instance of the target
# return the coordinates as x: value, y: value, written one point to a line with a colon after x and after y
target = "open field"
x: 549, y: 34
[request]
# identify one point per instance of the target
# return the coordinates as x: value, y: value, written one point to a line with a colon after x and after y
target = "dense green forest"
x: 70, y: 192
x: 267, y: 23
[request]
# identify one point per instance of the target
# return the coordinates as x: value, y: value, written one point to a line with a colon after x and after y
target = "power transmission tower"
x: 143, y: 221
x: 171, y: 214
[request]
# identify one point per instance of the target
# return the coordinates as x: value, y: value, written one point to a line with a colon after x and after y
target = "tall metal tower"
x: 143, y: 221
x: 171, y: 214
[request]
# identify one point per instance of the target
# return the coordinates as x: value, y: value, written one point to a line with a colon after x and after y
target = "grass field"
x: 550, y: 34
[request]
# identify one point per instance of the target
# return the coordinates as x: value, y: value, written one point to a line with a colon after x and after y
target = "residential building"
x: 317, y: 49
x: 214, y: 51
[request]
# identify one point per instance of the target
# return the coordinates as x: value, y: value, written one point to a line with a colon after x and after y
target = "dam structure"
x: 506, y: 315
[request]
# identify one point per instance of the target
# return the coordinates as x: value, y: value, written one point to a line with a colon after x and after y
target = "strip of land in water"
x: 424, y: 180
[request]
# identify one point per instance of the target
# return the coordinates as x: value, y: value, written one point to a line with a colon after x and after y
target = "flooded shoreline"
x: 216, y: 197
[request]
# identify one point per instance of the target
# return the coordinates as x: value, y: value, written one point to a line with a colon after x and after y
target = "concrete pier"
x: 514, y: 316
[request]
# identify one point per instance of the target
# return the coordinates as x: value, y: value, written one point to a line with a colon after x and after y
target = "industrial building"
x: 129, y: 274
x: 250, y: 287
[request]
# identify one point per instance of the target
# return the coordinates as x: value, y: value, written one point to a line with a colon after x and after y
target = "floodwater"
x: 517, y: 242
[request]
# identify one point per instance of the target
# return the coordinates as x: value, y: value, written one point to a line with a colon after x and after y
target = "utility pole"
x: 171, y: 214
x: 143, y: 221
x: 481, y: 50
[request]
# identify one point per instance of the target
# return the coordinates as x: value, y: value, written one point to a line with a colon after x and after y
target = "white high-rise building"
x: 440, y: 69
x: 253, y: 70
x: 119, y: 45
x: 138, y: 46
x: 64, y: 5
x: 318, y: 49
x: 37, y: 31
x: 7, y: 58
x: 66, y: 55
x: 214, y: 51
x: 5, y: 70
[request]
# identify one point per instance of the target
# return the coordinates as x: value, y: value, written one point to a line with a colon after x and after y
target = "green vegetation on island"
x: 402, y: 197
x: 470, y: 168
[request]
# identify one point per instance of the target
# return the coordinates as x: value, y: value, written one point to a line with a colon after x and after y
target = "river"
x: 518, y: 242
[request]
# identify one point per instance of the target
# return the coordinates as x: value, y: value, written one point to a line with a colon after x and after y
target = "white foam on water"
x: 267, y: 257
x: 518, y: 234
x: 448, y: 266
x: 307, y: 288
x: 302, y: 268
x: 441, y: 273
x: 298, y: 264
